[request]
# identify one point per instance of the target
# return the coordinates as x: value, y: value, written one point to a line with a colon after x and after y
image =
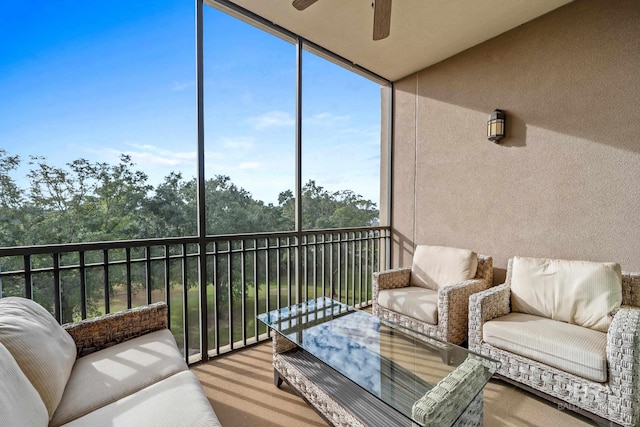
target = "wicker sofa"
x: 588, y: 363
x: 122, y: 369
x: 433, y: 295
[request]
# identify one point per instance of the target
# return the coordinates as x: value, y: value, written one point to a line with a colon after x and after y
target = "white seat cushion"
x: 434, y: 267
x: 108, y: 375
x: 173, y: 402
x: 579, y: 292
x: 20, y: 403
x: 44, y: 351
x: 570, y: 348
x: 413, y: 301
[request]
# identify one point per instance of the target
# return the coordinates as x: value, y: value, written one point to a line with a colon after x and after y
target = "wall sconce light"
x: 496, y: 126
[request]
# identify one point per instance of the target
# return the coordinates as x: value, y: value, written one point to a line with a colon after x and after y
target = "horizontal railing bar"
x: 93, y: 246
x: 97, y: 264
x: 245, y: 250
x: 123, y: 244
x: 179, y: 256
x: 287, y: 246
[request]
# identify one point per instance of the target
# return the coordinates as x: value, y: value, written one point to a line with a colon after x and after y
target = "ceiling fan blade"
x: 381, y: 19
x: 302, y: 4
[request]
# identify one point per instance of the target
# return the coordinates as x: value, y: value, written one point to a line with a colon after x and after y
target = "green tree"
x: 172, y: 210
x: 84, y: 202
x: 322, y: 209
x: 120, y: 196
x: 53, y: 208
x: 231, y: 209
x: 11, y: 200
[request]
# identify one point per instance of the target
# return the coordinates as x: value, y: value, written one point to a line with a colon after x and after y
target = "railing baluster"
x: 288, y: 249
x: 243, y: 277
x: 216, y: 298
x: 83, y: 285
x: 107, y: 288
x: 230, y: 292
x: 185, y: 302
x: 267, y: 278
x: 332, y: 289
x: 348, y: 273
x: 324, y: 265
x: 304, y: 256
x: 167, y: 281
x: 56, y: 287
x: 360, y: 297
x: 255, y: 288
x: 128, y: 270
x: 352, y: 265
x: 315, y: 266
x: 28, y: 280
x: 339, y: 259
x: 366, y: 262
x: 147, y: 265
x: 278, y: 276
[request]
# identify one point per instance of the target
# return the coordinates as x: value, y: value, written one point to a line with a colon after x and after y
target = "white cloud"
x: 262, y: 162
x: 326, y: 119
x: 156, y: 162
x: 153, y: 155
x: 238, y: 144
x: 151, y: 159
x: 272, y: 119
x: 372, y: 133
x: 284, y: 119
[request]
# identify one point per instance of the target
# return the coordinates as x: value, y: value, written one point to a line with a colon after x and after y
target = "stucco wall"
x: 565, y: 183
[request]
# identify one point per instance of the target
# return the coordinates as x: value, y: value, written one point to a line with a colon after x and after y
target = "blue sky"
x: 95, y: 80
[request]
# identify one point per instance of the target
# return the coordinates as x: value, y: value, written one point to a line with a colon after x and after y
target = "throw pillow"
x: 42, y: 348
x: 21, y: 404
x: 580, y: 292
x: 434, y: 267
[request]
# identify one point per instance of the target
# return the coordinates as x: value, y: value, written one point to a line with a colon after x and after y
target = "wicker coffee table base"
x: 338, y: 400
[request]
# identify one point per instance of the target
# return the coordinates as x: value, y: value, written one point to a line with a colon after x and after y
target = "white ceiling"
x: 423, y: 32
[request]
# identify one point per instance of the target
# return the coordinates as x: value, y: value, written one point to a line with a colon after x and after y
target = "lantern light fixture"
x: 496, y: 126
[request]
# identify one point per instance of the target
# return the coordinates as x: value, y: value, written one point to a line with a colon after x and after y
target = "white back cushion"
x: 434, y: 267
x: 44, y: 351
x: 20, y: 404
x: 579, y: 292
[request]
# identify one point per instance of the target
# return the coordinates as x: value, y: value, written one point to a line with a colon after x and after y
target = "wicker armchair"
x: 615, y: 400
x: 451, y: 300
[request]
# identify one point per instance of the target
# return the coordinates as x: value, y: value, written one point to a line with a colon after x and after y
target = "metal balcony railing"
x: 246, y: 275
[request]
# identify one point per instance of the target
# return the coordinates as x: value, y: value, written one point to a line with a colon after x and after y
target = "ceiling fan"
x: 381, y: 15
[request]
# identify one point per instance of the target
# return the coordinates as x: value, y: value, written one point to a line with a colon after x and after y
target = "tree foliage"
x: 88, y: 201
x: 11, y: 200
x: 91, y: 201
x: 322, y: 209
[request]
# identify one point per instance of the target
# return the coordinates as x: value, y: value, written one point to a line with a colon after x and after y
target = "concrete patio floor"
x: 241, y: 391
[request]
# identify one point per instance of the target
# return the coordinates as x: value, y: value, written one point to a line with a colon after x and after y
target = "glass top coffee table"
x: 358, y: 369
